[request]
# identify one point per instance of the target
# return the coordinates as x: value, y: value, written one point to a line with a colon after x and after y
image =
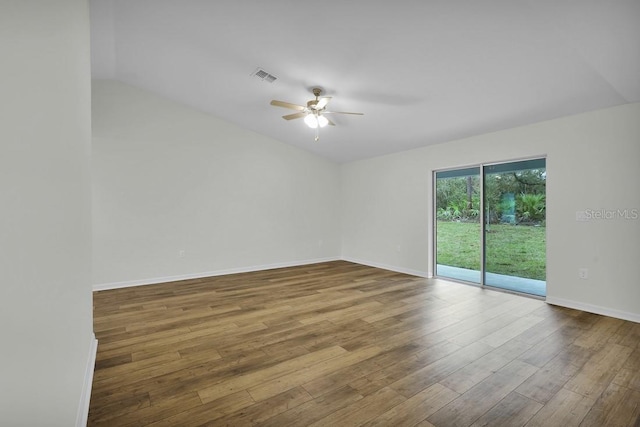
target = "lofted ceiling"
x: 423, y: 72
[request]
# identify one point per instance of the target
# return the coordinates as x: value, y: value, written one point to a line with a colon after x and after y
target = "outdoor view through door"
x: 490, y: 225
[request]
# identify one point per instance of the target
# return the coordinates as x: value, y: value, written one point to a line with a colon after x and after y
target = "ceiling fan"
x: 313, y: 113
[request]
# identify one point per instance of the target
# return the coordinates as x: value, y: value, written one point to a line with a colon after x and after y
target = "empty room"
x: 236, y: 213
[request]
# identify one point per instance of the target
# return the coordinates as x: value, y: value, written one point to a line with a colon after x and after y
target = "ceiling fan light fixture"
x: 314, y: 120
x: 322, y: 121
x: 311, y: 120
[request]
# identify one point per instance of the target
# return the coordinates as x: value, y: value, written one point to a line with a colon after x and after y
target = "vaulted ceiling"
x: 423, y: 72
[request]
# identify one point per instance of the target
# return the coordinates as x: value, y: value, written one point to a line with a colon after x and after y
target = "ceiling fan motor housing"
x: 314, y: 102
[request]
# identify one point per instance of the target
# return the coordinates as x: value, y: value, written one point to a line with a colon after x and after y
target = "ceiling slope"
x: 423, y: 72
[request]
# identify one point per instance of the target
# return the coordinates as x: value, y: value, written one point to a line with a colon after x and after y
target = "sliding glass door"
x: 514, y: 226
x: 490, y: 225
x: 458, y: 224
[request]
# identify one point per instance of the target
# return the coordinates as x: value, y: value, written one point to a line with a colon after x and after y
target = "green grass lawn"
x: 514, y: 250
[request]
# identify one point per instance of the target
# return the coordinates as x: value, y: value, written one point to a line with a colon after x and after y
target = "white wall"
x: 45, y: 241
x: 593, y: 162
x: 168, y: 178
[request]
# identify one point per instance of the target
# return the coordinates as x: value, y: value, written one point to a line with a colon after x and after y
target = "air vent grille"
x: 263, y: 75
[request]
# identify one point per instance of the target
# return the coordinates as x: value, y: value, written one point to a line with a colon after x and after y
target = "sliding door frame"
x: 483, y: 223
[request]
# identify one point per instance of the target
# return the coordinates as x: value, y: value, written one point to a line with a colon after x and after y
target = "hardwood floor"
x: 340, y: 344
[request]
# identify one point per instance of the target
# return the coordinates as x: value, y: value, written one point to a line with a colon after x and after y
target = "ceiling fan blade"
x: 341, y: 112
x: 294, y: 116
x: 330, y: 123
x: 287, y: 105
x: 322, y: 102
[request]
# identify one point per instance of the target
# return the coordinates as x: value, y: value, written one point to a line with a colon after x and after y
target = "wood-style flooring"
x: 341, y: 344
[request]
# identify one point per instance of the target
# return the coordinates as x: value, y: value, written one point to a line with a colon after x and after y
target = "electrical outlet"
x: 583, y: 273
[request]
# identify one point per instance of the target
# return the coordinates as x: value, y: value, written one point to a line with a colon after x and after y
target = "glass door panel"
x: 457, y: 225
x: 514, y: 226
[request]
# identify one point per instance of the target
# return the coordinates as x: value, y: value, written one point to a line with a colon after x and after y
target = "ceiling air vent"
x: 263, y: 75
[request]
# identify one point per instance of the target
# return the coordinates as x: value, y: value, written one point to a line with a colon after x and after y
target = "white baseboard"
x: 596, y: 309
x: 85, y: 398
x: 633, y: 317
x: 156, y: 280
x: 389, y: 267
